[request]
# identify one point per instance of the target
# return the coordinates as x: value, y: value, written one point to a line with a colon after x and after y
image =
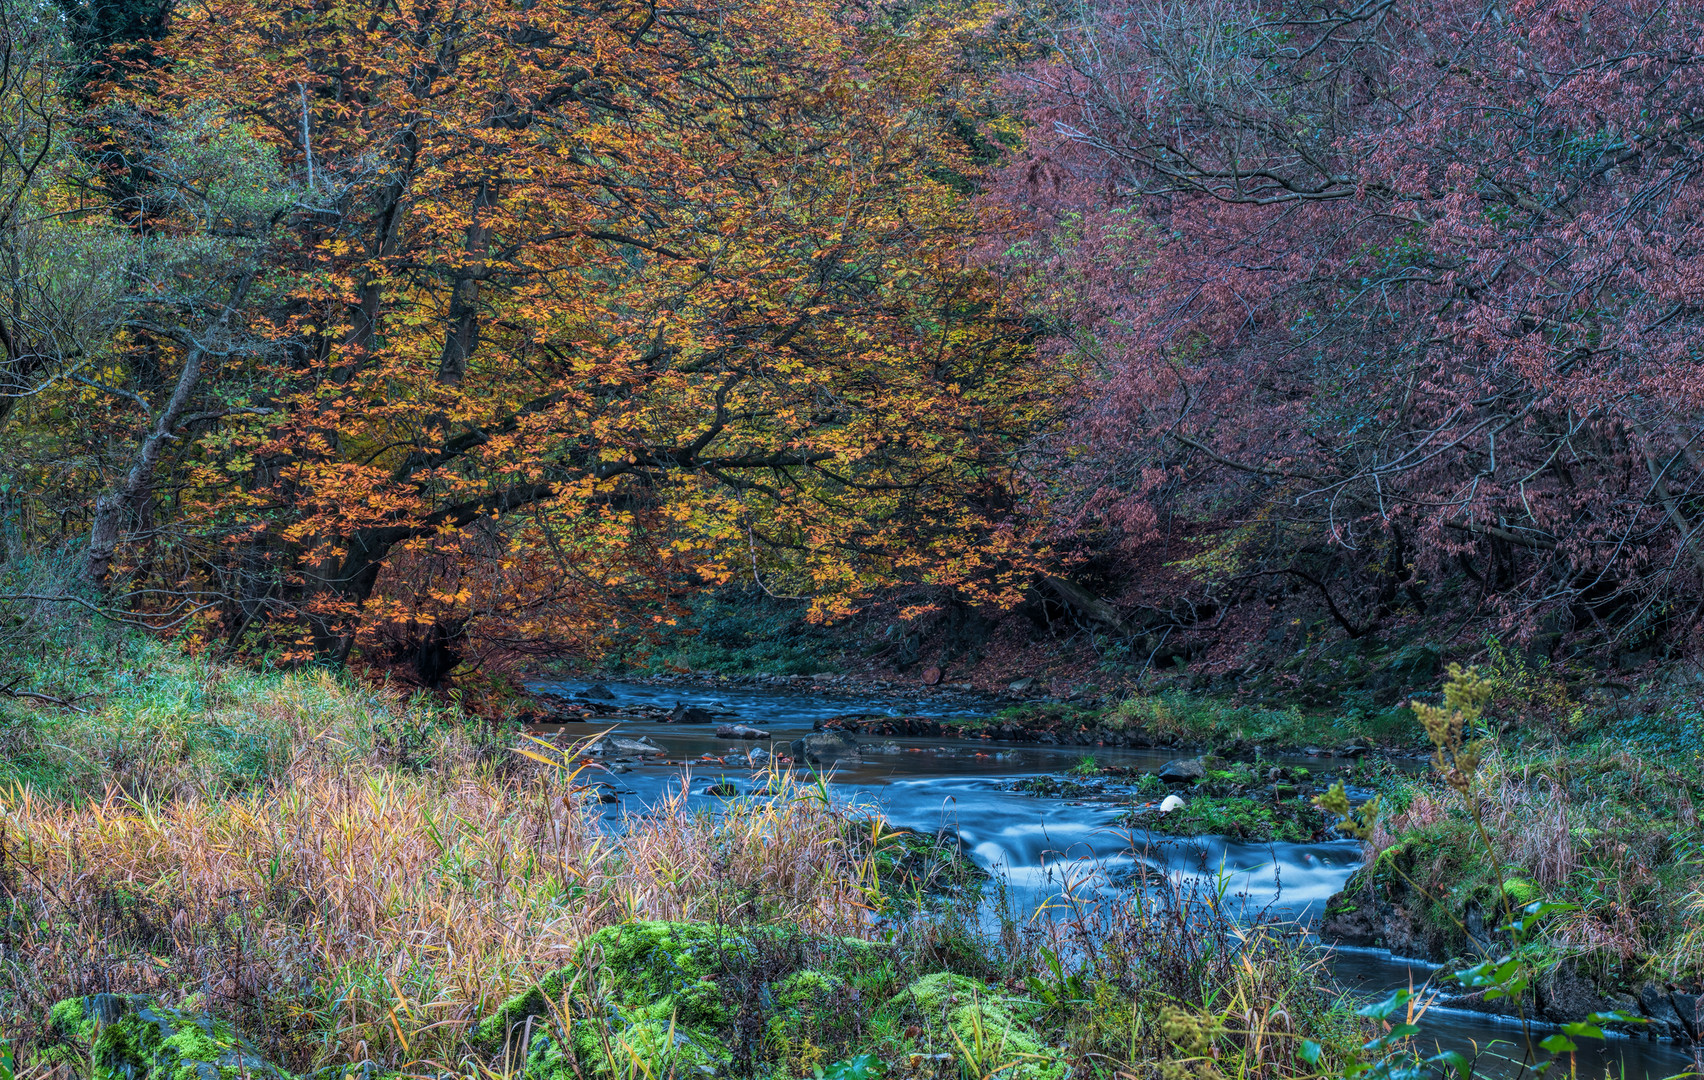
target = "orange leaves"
x: 589, y: 306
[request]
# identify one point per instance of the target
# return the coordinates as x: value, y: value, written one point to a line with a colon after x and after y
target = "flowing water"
x: 1043, y: 846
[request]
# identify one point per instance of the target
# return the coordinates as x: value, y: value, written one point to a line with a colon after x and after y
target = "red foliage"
x: 1384, y: 299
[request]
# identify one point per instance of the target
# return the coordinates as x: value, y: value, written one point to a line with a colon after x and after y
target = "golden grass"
x: 351, y: 910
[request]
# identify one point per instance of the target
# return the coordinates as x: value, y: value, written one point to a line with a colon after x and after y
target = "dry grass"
x: 349, y: 909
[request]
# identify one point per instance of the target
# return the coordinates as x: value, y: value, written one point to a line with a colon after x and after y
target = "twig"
x: 63, y: 703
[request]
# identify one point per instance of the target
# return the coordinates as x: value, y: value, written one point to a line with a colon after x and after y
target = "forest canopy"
x: 404, y: 328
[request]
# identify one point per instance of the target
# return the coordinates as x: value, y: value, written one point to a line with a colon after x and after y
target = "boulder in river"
x: 740, y: 731
x: 597, y: 692
x: 824, y: 746
x: 621, y: 745
x: 690, y: 714
x: 1182, y: 771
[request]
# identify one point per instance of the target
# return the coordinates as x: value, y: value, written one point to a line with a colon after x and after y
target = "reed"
x: 363, y: 913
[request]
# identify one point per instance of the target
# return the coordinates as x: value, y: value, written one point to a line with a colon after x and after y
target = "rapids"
x: 1042, y: 846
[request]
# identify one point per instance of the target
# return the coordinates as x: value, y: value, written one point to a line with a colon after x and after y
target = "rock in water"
x: 1182, y: 771
x: 689, y: 714
x: 723, y: 789
x: 740, y: 731
x: 616, y: 744
x: 597, y: 692
x: 820, y: 747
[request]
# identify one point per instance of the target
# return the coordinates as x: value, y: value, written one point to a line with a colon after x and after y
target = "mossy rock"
x: 653, y: 970
x: 652, y: 994
x: 967, y: 1019
x: 803, y: 1004
x: 133, y: 1037
x: 1520, y: 892
x: 1240, y: 817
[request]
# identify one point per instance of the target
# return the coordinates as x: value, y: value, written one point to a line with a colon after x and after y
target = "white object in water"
x: 1172, y: 802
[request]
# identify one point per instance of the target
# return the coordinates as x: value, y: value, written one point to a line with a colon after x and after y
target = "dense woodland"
x: 417, y: 332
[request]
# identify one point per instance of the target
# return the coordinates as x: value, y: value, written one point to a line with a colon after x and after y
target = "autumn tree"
x: 1383, y: 298
x: 578, y: 304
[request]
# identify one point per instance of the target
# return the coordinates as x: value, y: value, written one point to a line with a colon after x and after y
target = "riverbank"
x: 1604, y: 831
x: 300, y: 874
x: 1556, y: 850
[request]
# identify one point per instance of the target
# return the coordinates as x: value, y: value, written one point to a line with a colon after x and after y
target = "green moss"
x: 70, y: 1019
x: 666, y: 1049
x: 536, y: 1001
x: 985, y: 1029
x: 137, y: 1038
x: 657, y: 969
x: 804, y: 988
x: 650, y: 996
x: 665, y: 968
x: 615, y: 1047
x: 802, y: 1004
x: 934, y: 993
x: 1290, y: 820
x: 1520, y: 892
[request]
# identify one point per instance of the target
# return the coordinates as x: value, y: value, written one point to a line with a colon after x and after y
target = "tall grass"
x: 1593, y: 825
x: 367, y: 914
x: 347, y: 874
x: 1200, y: 986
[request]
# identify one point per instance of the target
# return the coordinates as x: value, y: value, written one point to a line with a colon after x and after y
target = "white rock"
x: 1172, y: 802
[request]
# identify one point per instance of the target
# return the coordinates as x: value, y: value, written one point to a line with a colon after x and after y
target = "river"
x: 1039, y: 844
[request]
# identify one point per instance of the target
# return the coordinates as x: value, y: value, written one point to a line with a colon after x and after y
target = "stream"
x: 1039, y: 845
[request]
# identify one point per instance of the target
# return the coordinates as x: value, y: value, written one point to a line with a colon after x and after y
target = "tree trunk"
x: 462, y: 336
x: 123, y: 501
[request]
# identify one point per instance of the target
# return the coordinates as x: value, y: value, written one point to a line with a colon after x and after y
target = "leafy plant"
x: 858, y: 1067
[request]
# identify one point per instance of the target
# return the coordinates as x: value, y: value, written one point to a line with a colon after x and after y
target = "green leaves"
x: 1356, y: 822
x: 861, y: 1067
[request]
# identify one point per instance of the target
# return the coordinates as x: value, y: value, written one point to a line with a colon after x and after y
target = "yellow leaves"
x: 767, y: 354
x: 1466, y: 693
